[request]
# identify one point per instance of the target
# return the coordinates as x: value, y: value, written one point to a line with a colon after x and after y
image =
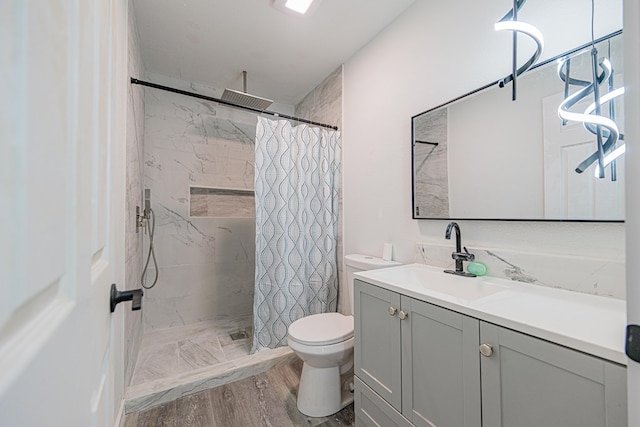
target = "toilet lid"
x: 322, y: 329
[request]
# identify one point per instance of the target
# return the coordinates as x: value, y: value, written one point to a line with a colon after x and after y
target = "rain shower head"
x: 244, y: 99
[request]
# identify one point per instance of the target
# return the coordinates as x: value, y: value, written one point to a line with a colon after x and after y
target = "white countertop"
x: 589, y: 323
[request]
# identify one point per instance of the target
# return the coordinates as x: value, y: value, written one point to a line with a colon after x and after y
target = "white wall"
x: 435, y: 52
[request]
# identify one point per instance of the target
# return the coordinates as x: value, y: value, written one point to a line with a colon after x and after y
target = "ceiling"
x: 212, y: 41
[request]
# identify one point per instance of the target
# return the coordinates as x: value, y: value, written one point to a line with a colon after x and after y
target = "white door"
x: 632, y: 107
x: 62, y: 74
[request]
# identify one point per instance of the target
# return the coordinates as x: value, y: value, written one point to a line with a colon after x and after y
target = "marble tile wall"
x: 206, y: 263
x: 592, y: 275
x: 205, y: 241
x: 134, y: 179
x: 324, y: 105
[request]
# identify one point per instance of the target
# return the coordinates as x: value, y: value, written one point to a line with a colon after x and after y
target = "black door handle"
x: 632, y: 347
x: 117, y: 296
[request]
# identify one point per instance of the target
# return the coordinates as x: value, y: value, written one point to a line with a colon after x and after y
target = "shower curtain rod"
x: 230, y: 104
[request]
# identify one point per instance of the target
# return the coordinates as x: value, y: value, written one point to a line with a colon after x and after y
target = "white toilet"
x: 324, y: 342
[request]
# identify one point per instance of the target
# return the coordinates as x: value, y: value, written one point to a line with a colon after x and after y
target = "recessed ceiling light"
x: 297, y: 7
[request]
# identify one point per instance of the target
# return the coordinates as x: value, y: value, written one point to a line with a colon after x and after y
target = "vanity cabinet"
x: 531, y: 382
x: 422, y: 360
x: 418, y: 364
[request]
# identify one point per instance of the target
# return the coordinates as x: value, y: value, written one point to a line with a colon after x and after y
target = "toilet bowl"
x: 325, y: 344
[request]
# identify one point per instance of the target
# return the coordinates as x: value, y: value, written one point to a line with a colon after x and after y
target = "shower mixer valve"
x: 141, y: 219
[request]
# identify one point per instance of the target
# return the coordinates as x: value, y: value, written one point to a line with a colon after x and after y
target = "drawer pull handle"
x: 392, y: 311
x: 403, y: 315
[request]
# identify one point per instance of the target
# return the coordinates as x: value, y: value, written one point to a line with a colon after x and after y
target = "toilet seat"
x: 322, y: 329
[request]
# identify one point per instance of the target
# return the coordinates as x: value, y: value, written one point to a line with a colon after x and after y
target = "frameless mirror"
x: 483, y: 156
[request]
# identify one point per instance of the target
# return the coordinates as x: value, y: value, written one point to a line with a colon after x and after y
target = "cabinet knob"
x: 403, y: 315
x: 392, y: 311
x: 486, y: 350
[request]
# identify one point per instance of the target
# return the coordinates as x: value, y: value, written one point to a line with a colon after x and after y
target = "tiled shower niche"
x: 222, y: 202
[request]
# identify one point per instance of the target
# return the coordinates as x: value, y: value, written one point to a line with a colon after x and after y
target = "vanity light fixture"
x: 610, y: 158
x: 615, y: 152
x: 599, y: 125
x: 510, y: 23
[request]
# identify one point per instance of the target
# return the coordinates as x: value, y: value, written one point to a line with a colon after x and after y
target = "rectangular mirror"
x: 483, y: 156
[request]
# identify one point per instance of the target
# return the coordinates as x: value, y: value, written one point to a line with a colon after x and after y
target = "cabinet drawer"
x: 373, y: 411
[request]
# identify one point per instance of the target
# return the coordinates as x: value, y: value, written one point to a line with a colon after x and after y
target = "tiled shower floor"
x: 182, y: 360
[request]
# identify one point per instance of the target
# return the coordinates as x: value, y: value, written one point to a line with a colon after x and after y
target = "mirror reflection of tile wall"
x: 431, y: 185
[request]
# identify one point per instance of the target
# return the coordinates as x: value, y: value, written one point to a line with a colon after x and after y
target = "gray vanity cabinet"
x: 531, y: 382
x: 440, y: 366
x: 418, y: 364
x: 422, y: 360
x: 377, y: 348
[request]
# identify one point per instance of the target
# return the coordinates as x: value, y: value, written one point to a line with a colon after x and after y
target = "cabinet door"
x: 531, y: 382
x: 377, y: 333
x: 440, y: 366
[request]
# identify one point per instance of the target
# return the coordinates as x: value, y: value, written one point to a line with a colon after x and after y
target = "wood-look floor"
x: 267, y: 399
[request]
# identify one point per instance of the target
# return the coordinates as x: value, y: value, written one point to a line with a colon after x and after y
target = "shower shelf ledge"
x: 200, y: 189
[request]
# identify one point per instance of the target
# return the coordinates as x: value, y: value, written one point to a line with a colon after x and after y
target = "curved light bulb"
x: 610, y: 158
x: 523, y: 27
x: 591, y: 121
x: 509, y: 22
x: 587, y: 118
x: 606, y: 98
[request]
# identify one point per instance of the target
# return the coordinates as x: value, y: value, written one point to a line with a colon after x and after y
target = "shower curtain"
x: 296, y: 193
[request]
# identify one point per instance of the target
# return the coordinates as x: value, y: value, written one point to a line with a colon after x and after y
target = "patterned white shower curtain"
x: 296, y: 193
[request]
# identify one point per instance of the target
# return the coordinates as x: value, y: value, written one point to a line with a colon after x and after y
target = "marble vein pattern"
x: 590, y: 275
x: 205, y: 248
x: 324, y: 103
x: 179, y: 361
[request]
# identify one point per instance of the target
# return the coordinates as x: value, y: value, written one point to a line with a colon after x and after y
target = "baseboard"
x: 119, y: 421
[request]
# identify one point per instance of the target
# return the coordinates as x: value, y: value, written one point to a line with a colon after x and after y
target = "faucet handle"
x: 471, y: 256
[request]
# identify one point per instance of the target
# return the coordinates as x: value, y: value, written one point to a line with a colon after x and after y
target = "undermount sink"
x: 431, y: 279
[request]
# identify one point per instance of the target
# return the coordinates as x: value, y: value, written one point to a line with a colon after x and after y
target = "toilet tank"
x: 357, y: 262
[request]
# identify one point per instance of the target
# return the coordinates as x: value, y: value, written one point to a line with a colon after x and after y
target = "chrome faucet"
x: 458, y: 255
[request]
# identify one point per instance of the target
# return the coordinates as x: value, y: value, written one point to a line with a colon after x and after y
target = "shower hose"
x: 151, y: 228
